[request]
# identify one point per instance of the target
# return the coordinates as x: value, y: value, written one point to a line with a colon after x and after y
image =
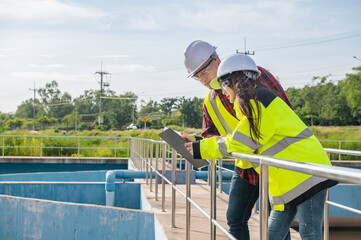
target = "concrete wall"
x: 84, y: 176
x: 22, y: 218
x: 126, y: 195
x: 45, y: 166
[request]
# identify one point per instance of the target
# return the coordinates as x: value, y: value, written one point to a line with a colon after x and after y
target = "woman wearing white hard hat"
x: 269, y: 127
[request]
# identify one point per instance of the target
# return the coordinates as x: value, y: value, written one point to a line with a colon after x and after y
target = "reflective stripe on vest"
x: 287, y: 141
x: 222, y: 119
x: 284, y: 143
x: 246, y: 140
x: 297, y: 191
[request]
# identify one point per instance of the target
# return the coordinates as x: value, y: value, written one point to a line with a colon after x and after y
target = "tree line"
x: 323, y: 102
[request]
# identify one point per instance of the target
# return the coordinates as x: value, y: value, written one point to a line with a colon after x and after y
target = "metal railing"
x: 340, y: 144
x: 37, y: 142
x: 159, y: 151
x: 143, y: 156
x: 144, y: 151
x: 331, y: 172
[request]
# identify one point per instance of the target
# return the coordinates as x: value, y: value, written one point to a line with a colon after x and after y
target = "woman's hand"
x: 187, y: 137
x: 189, y: 146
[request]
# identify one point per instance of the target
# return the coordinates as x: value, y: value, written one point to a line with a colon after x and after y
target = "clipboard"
x: 177, y: 142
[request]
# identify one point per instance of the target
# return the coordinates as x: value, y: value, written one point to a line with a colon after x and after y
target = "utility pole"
x: 34, y: 89
x: 245, y: 49
x: 106, y: 84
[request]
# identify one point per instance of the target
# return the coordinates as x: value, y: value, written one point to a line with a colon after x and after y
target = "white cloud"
x: 130, y: 68
x: 46, y: 10
x: 2, y: 56
x: 46, y: 66
x: 115, y: 56
x: 59, y: 77
x: 136, y: 68
x: 47, y: 56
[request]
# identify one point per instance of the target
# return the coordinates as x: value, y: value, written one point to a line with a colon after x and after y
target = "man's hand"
x: 187, y: 137
x: 189, y: 146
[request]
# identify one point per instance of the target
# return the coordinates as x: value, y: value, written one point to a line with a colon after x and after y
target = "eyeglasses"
x: 225, y: 81
x: 203, y: 71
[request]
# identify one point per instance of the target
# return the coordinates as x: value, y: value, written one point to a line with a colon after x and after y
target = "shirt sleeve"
x: 240, y: 140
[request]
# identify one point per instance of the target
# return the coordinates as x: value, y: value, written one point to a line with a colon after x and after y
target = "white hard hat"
x: 196, y: 54
x: 233, y: 63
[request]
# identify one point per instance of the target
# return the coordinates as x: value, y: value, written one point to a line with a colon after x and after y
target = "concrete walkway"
x: 200, y: 226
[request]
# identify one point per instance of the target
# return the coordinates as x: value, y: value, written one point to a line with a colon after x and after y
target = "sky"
x: 141, y: 43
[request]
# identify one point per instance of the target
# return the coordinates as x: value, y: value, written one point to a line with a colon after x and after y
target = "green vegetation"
x: 104, y: 144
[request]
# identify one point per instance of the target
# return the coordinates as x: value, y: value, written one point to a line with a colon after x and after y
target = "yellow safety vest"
x: 284, y: 136
x: 225, y: 122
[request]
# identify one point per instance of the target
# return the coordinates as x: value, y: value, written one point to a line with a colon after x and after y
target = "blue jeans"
x: 242, y: 197
x: 309, y: 218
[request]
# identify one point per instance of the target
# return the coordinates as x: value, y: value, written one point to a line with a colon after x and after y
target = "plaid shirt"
x: 209, y: 129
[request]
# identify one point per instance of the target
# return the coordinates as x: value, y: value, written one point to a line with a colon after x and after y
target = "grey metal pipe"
x: 346, y: 152
x: 332, y: 172
x: 110, y: 177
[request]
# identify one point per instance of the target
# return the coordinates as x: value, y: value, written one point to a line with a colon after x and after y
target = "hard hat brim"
x: 215, y: 84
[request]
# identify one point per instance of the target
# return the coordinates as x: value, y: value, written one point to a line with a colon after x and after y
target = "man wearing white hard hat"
x: 219, y: 118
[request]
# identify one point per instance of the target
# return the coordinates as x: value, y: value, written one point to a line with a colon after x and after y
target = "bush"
x: 83, y: 126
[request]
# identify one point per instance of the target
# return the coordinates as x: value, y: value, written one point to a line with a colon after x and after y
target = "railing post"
x: 174, y: 168
x: 326, y: 218
x: 263, y: 197
x: 115, y: 147
x: 188, y: 204
x: 41, y: 146
x: 156, y: 169
x: 131, y: 149
x: 78, y: 147
x: 146, y: 155
x: 220, y: 175
x: 3, y: 146
x: 339, y: 147
x: 209, y: 175
x: 151, y: 165
x: 213, y: 171
x: 163, y: 176
x: 128, y: 149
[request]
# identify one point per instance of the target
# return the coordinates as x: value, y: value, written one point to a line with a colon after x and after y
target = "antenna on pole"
x: 105, y: 84
x: 245, y: 49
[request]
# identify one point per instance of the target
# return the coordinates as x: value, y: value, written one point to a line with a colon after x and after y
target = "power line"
x: 309, y: 42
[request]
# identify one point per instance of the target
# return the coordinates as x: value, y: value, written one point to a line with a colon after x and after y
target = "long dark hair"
x: 245, y: 89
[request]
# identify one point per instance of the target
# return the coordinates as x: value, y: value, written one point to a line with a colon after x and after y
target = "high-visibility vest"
x: 284, y: 136
x: 224, y: 121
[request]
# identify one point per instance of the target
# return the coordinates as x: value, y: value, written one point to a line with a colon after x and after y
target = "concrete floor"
x: 200, y: 226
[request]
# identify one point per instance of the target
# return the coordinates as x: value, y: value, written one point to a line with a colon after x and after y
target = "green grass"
x: 102, y: 147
